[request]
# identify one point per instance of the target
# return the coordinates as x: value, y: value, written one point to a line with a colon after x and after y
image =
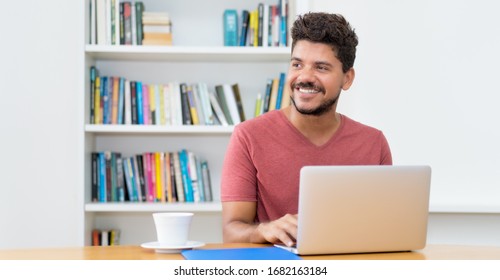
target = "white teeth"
x: 307, y: 90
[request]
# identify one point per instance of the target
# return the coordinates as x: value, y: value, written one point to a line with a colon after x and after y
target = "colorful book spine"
x: 186, y: 178
x: 121, y: 100
x: 281, y: 84
x: 140, y: 103
x: 230, y: 22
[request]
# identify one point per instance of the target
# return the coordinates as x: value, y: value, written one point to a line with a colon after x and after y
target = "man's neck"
x: 318, y: 129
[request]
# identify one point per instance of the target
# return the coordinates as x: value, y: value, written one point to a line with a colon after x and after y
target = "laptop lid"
x: 359, y: 209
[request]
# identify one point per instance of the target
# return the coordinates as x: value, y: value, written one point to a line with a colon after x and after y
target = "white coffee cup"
x: 172, y: 228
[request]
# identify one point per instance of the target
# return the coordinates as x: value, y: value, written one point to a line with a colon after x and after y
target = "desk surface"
x: 431, y: 252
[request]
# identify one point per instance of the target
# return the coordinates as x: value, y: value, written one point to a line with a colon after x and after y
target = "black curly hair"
x: 331, y: 29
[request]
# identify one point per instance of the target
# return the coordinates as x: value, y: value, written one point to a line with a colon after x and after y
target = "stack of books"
x: 157, y: 28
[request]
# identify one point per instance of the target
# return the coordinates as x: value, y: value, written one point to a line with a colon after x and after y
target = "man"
x: 260, y: 177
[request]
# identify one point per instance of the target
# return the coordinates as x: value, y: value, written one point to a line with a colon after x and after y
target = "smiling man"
x: 260, y: 177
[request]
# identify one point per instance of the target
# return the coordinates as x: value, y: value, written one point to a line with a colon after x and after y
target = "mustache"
x: 308, y: 85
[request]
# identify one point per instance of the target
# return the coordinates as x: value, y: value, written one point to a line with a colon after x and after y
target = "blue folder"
x: 264, y: 253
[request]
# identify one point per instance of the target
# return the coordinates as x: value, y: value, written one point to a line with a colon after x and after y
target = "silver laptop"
x: 361, y: 209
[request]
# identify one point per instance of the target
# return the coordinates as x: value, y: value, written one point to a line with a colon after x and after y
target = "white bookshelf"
x: 197, y: 55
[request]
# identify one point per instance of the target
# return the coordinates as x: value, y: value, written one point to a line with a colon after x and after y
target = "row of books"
x: 265, y: 26
x: 119, y: 22
x: 117, y: 100
x: 150, y: 177
x: 276, y: 96
x: 105, y: 237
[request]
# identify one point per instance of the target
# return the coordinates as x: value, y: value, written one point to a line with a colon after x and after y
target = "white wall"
x: 40, y: 62
x: 427, y: 75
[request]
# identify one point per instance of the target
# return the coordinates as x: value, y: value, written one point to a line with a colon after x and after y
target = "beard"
x: 323, y: 108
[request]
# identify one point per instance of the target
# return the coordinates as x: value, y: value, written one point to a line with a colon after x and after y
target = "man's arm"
x: 239, y: 226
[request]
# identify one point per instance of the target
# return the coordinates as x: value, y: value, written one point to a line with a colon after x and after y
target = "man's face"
x: 315, y: 77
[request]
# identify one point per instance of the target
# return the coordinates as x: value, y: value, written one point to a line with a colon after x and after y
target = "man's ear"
x: 348, y: 78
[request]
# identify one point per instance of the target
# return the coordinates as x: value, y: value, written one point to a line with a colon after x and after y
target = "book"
x: 199, y: 176
x: 168, y: 178
x: 152, y: 104
x: 108, y: 176
x: 239, y: 102
x: 93, y: 23
x: 286, y: 99
x: 254, y: 28
x: 172, y: 177
x: 258, y: 105
x: 139, y: 9
x: 161, y: 104
x: 137, y: 179
x: 260, y: 20
x: 120, y: 183
x: 97, y: 101
x: 96, y: 237
x: 267, y: 96
x: 114, y: 22
x: 101, y: 22
x: 186, y: 111
x: 93, y: 74
x: 127, y: 22
x: 193, y: 175
x: 115, y: 89
x: 140, y: 175
x: 214, y: 102
x: 230, y: 21
x: 207, y: 185
x: 186, y: 178
x: 167, y: 103
x: 133, y: 25
x: 205, y: 103
x: 146, y: 163
x: 192, y: 105
x: 274, y: 94
x: 221, y: 98
x: 95, y: 175
x: 157, y: 95
x: 145, y: 102
x: 133, y: 104
x: 152, y: 164
x: 139, y: 102
x: 114, y: 185
x: 283, y: 7
x: 159, y: 183
x: 102, y: 178
x: 231, y: 103
x: 198, y: 104
x: 178, y: 178
x: 281, y: 84
x: 128, y: 103
x: 121, y: 100
x: 245, y: 19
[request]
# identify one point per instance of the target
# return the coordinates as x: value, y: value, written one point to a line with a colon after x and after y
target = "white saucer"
x: 171, y: 249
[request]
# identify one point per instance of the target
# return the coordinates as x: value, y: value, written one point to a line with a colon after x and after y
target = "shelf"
x: 189, y: 54
x: 153, y: 207
x: 158, y: 129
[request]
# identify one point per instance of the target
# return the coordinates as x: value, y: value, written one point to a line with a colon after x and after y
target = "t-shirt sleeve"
x: 385, y: 151
x: 238, y: 181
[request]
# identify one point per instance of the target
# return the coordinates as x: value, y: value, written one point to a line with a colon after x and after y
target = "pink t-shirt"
x: 265, y: 155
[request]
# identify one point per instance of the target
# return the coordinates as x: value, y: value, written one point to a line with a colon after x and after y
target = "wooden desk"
x: 431, y: 252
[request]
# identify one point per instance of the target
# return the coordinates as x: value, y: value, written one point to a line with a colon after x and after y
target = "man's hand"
x: 282, y: 230
x: 238, y: 219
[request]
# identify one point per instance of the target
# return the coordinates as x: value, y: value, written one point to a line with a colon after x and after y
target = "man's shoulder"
x: 353, y: 125
x: 262, y: 121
